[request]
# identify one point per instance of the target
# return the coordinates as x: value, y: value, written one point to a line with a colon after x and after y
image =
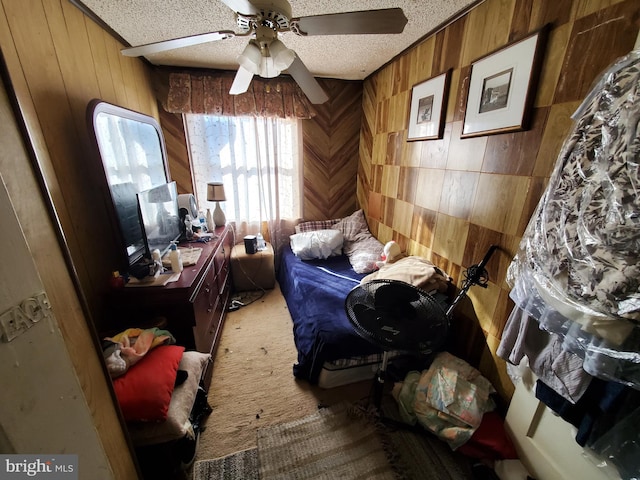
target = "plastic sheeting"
x: 448, y: 399
x: 577, y: 271
x: 621, y: 446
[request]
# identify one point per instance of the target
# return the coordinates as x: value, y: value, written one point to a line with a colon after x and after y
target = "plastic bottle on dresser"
x: 203, y: 221
x: 157, y: 262
x: 117, y: 280
x: 261, y: 244
x: 188, y: 227
x: 210, y: 225
x: 176, y: 259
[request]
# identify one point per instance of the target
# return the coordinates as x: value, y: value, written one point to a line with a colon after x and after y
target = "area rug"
x: 237, y: 466
x: 416, y: 453
x: 330, y: 444
x: 345, y: 441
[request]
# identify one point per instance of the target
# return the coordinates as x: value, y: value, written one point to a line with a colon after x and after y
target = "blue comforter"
x: 315, y: 292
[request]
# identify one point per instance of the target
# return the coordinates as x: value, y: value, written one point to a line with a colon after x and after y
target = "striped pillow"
x: 314, y: 225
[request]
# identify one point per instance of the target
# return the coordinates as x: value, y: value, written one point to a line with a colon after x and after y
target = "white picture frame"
x: 502, y: 88
x: 428, y: 108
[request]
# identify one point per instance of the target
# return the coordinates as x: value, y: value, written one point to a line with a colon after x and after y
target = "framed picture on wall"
x: 429, y: 108
x: 502, y: 87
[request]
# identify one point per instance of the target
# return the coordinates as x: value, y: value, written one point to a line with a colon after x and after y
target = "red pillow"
x: 144, y: 392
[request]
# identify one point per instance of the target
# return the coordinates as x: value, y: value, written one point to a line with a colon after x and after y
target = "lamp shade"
x: 282, y: 56
x: 267, y: 68
x: 250, y: 58
x: 215, y: 192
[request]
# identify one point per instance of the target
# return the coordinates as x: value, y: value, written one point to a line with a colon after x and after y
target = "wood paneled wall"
x: 330, y: 152
x: 450, y: 199
x: 64, y: 60
x: 57, y: 61
x: 175, y: 139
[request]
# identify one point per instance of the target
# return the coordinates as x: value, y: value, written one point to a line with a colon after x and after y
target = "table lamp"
x: 215, y: 193
x: 160, y: 195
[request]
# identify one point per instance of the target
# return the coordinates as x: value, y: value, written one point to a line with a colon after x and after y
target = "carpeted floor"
x: 252, y: 382
x: 253, y: 390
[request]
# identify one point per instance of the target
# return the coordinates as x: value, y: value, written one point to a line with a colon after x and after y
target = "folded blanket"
x: 414, y: 270
x: 127, y: 348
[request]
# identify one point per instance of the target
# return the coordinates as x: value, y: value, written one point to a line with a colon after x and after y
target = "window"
x: 255, y: 158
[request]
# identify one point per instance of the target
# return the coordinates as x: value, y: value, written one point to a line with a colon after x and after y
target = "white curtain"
x: 257, y: 160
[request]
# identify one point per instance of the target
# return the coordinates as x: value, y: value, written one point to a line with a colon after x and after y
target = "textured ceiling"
x: 350, y: 57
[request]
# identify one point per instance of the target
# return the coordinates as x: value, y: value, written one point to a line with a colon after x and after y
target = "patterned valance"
x: 208, y: 93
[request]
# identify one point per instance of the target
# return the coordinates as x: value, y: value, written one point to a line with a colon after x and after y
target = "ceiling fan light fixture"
x: 251, y: 58
x: 265, y: 55
x: 282, y: 56
x: 268, y: 68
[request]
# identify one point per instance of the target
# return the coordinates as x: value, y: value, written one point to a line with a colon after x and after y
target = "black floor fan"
x: 395, y: 315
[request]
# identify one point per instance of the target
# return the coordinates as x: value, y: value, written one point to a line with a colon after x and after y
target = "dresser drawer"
x: 221, y: 266
x: 206, y: 332
x: 205, y: 304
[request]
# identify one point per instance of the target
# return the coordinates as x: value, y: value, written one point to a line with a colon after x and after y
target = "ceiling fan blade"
x: 388, y: 20
x: 241, y: 6
x: 308, y: 84
x: 164, y: 45
x: 241, y: 81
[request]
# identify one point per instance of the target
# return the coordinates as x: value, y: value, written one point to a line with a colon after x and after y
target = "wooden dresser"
x: 194, y: 307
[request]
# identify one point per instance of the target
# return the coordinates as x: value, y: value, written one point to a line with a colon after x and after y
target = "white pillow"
x: 317, y: 244
x: 362, y: 248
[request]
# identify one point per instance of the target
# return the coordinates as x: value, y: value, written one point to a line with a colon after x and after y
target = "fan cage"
x: 396, y: 315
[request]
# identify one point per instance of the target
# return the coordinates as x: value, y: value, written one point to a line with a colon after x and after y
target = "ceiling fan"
x: 265, y: 55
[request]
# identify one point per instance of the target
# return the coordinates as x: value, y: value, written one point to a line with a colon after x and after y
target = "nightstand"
x: 252, y: 271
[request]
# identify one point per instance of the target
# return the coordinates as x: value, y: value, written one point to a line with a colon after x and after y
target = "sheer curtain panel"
x: 257, y: 160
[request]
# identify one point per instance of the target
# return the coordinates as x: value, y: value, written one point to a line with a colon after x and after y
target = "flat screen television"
x: 159, y: 217
x: 126, y: 205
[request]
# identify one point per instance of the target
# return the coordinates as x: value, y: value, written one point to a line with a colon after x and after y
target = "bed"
x: 330, y: 352
x: 315, y: 291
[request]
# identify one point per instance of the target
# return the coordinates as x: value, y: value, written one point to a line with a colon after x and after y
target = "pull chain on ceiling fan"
x: 265, y: 55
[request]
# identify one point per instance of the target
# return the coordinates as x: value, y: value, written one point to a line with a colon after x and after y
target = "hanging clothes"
x: 577, y: 271
x: 559, y: 369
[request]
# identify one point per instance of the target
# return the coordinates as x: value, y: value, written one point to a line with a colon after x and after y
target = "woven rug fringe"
x: 410, y: 454
x: 372, y: 416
